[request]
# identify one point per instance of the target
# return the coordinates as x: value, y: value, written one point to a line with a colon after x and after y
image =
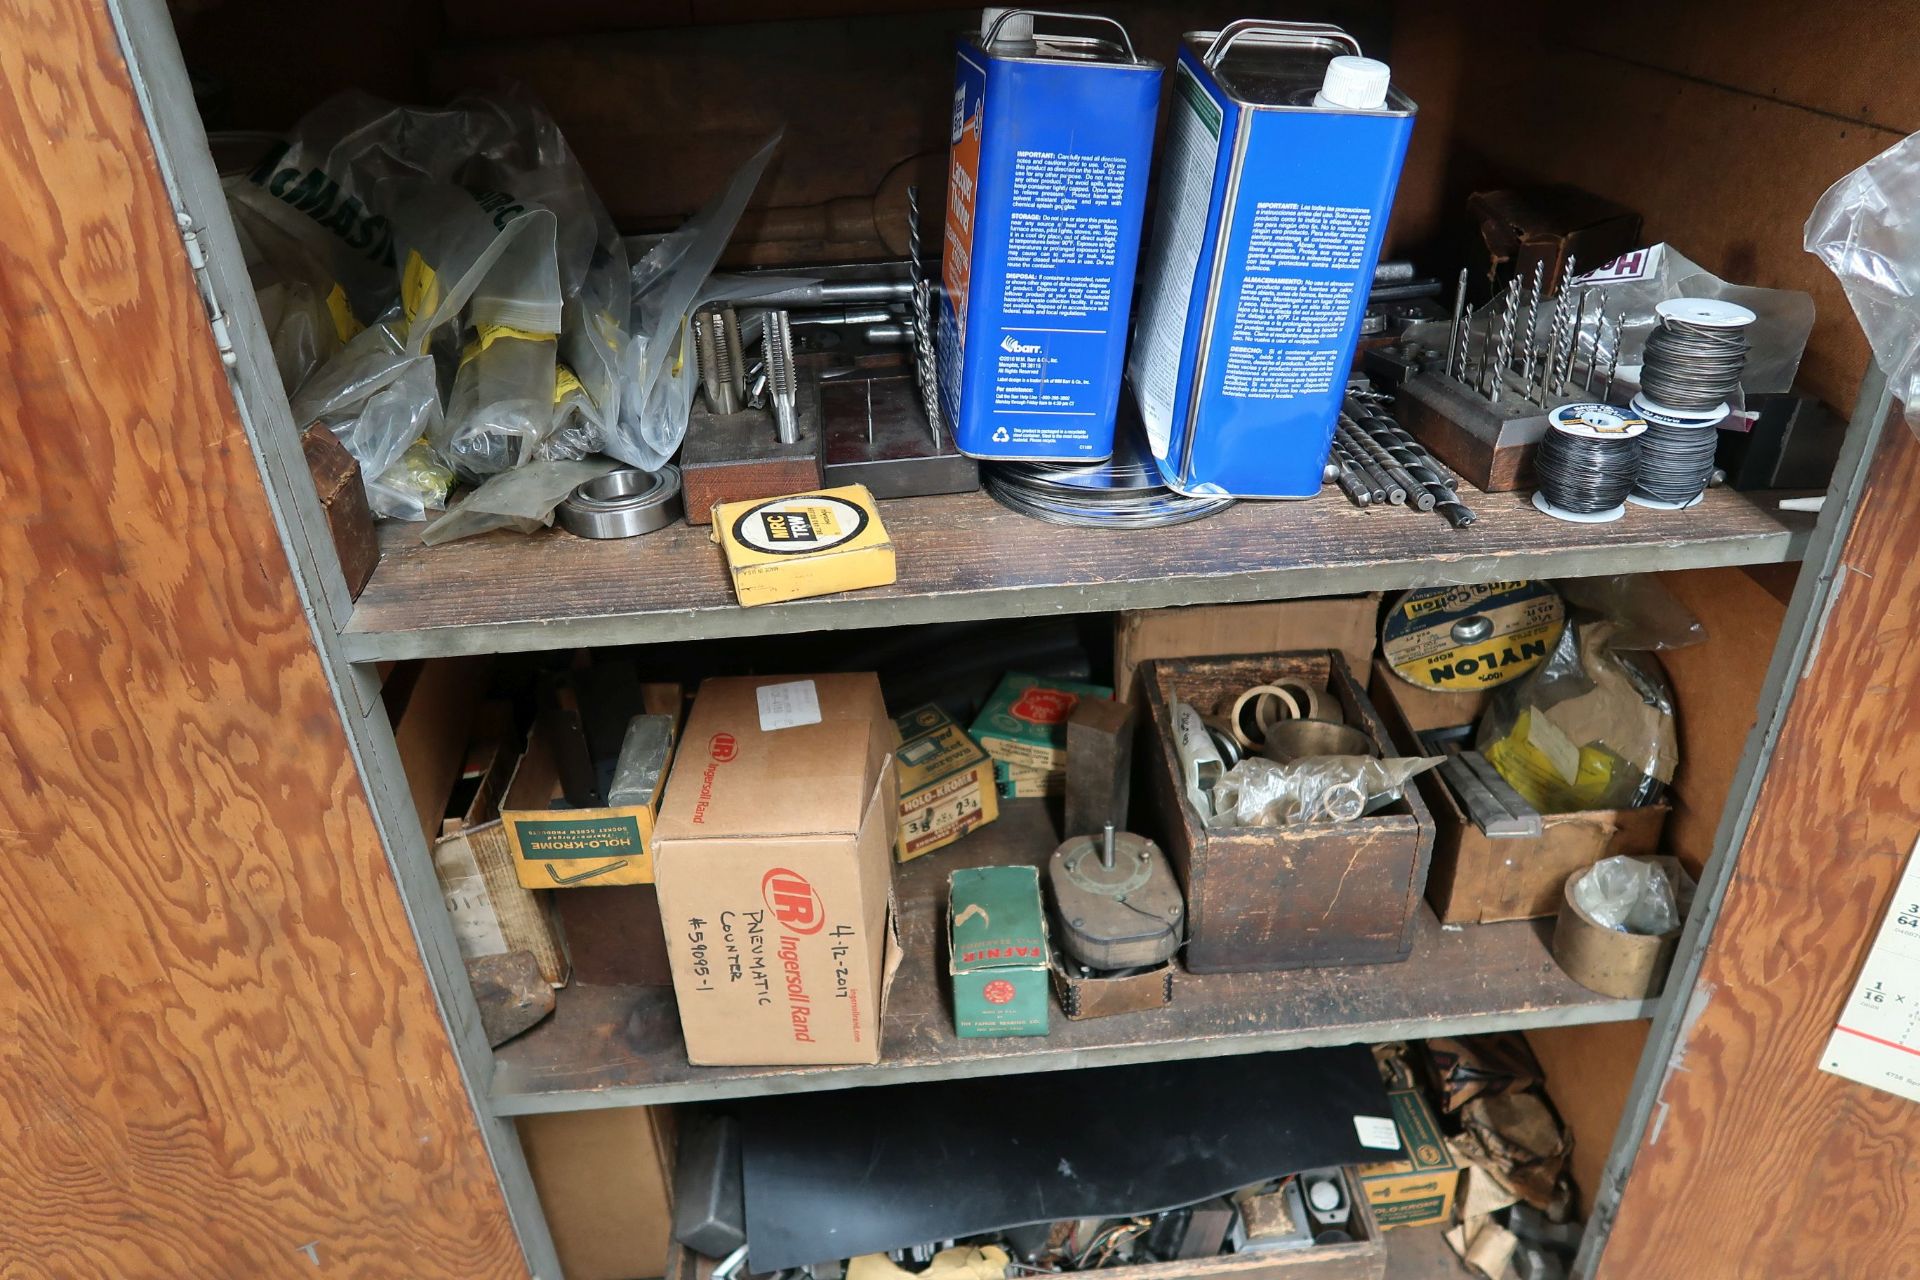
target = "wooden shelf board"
x: 620, y: 1046
x: 964, y: 557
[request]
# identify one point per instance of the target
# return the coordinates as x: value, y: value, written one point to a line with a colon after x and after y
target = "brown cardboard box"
x: 1347, y: 623
x: 773, y: 857
x: 1475, y: 879
x: 492, y: 912
x: 605, y: 1182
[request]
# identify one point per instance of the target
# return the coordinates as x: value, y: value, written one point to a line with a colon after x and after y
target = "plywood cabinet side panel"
x: 221, y: 1056
x: 1799, y: 1172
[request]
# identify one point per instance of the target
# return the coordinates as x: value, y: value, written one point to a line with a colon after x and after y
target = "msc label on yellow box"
x: 806, y: 544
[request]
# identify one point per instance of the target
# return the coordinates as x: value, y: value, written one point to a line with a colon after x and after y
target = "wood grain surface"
x: 611, y: 1042
x: 1721, y: 121
x: 966, y: 556
x: 220, y: 1057
x: 1756, y: 1163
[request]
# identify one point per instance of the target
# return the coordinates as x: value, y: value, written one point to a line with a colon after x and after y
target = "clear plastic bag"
x: 523, y: 498
x: 1593, y: 727
x: 1259, y: 793
x: 473, y: 221
x: 1866, y: 229
x: 1629, y: 896
x: 1641, y: 280
x: 501, y: 408
x: 657, y: 370
x: 381, y: 400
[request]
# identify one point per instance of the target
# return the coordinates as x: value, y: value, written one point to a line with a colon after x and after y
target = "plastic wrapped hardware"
x: 1259, y: 793
x: 1629, y: 896
x: 1592, y: 727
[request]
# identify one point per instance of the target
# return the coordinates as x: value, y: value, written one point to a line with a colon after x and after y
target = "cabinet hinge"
x: 197, y: 259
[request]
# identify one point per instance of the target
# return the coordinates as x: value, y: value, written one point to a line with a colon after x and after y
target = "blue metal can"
x: 1047, y: 183
x: 1273, y: 203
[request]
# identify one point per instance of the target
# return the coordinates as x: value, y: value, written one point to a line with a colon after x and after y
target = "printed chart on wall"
x: 1877, y: 1041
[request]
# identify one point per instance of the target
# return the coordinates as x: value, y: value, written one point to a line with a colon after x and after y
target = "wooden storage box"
x: 1476, y: 879
x: 1363, y: 1258
x: 1283, y: 897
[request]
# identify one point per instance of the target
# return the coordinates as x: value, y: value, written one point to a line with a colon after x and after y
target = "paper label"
x: 1377, y: 1132
x: 787, y: 706
x: 1553, y: 743
x: 345, y: 325
x: 1877, y: 1039
x: 419, y: 288
x: 486, y: 335
x: 1637, y: 265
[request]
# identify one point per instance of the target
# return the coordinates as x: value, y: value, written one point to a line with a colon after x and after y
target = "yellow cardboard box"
x: 806, y: 544
x: 555, y: 847
x: 946, y: 783
x: 1417, y: 1188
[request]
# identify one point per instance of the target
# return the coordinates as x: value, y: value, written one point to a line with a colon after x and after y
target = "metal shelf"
x: 965, y: 557
x: 621, y: 1046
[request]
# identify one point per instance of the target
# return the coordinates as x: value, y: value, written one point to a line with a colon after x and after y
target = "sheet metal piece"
x: 829, y: 1175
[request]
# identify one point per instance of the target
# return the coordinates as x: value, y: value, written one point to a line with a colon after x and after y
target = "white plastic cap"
x: 1355, y: 84
x: 1323, y: 1195
x: 1015, y: 30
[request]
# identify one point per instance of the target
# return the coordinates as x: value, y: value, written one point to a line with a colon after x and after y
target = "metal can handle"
x: 1297, y: 34
x: 1125, y: 40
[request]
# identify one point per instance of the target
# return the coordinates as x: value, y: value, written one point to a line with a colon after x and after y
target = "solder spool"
x: 1676, y: 455
x: 1694, y: 357
x: 1587, y: 461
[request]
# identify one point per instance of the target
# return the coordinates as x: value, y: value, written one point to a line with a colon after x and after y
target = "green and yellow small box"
x: 1025, y: 721
x: 946, y: 783
x: 997, y: 951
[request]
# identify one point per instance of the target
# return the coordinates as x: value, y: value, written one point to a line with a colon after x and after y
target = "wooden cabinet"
x: 240, y: 1038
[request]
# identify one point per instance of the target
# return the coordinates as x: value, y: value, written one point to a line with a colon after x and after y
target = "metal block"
x: 512, y: 994
x: 1099, y: 766
x: 709, y: 1198
x: 877, y: 435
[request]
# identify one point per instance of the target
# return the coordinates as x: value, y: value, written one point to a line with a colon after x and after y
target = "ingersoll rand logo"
x: 793, y: 901
x: 722, y: 747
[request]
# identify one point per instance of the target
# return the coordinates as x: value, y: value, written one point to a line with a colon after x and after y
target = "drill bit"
x: 1556, y: 332
x: 1459, y: 319
x: 1360, y: 419
x: 1593, y: 351
x: 1613, y: 356
x: 925, y: 367
x: 1422, y: 467
x: 1573, y: 344
x: 1375, y: 492
x: 1504, y: 351
x: 1382, y: 480
x: 783, y: 383
x: 1532, y: 331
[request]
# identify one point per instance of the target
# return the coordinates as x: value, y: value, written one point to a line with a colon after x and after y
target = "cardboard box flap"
x: 778, y: 756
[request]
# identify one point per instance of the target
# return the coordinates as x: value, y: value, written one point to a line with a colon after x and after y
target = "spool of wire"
x: 1694, y: 358
x: 1676, y: 456
x: 1586, y: 462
